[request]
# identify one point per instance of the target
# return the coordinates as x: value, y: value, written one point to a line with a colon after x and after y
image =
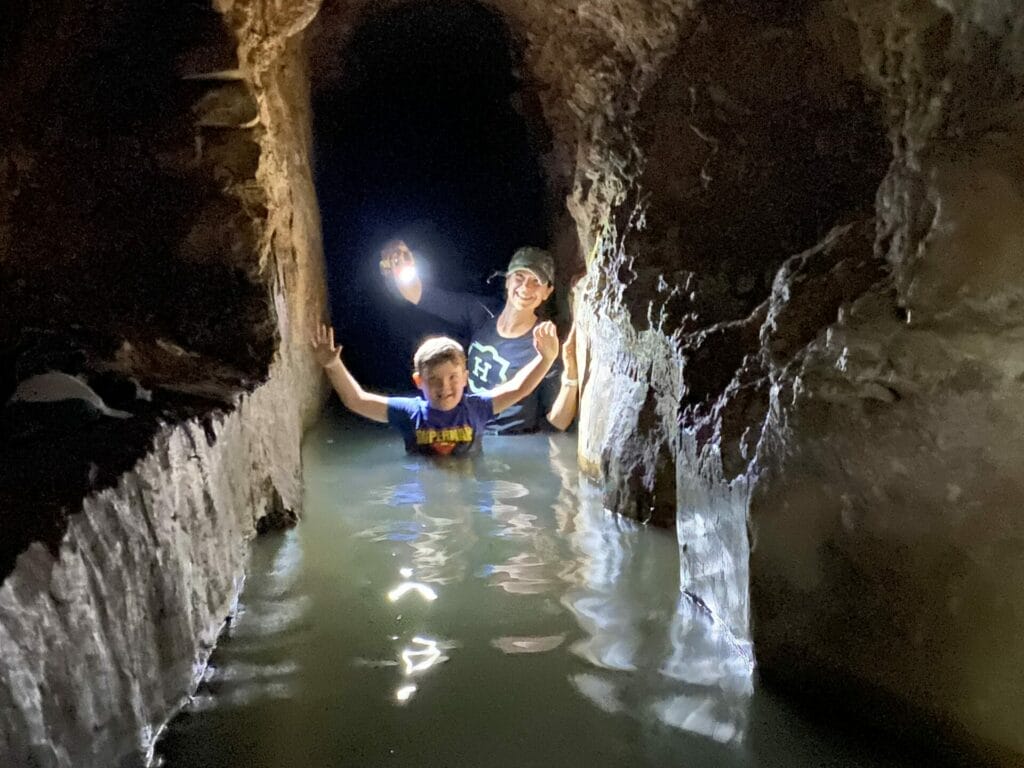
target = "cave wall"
x: 158, y: 237
x: 740, y: 160
x: 136, y: 161
x: 803, y: 293
x: 887, y: 514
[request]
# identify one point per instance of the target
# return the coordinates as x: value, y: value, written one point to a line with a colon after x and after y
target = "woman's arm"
x: 367, y: 405
x: 545, y: 341
x: 460, y: 309
x: 563, y: 410
x: 463, y: 310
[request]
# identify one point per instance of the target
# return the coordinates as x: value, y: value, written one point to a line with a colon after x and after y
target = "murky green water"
x: 482, y: 613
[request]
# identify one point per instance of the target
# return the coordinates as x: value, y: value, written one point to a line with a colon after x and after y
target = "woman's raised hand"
x: 394, y: 257
x: 397, y: 263
x: 324, y: 350
x: 545, y: 340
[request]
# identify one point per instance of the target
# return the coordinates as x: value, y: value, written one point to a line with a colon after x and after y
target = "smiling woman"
x: 501, y: 341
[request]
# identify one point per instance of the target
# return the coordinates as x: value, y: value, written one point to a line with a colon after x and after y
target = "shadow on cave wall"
x: 110, y: 199
x: 757, y: 142
x: 127, y: 250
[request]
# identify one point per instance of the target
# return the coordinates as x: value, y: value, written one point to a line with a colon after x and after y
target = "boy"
x: 445, y: 420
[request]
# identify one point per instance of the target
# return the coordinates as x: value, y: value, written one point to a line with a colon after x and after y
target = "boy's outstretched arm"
x: 545, y: 341
x: 370, y: 406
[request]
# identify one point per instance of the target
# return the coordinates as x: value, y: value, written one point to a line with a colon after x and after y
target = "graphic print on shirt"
x: 444, y: 441
x: 486, y: 359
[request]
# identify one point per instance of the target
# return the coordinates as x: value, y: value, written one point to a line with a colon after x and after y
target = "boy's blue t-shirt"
x: 432, y: 432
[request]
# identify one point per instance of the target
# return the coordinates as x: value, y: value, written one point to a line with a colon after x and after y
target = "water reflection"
x: 405, y: 587
x: 567, y: 636
x: 718, y: 673
x: 684, y: 668
x: 513, y: 645
x: 404, y: 693
x: 651, y: 650
x: 266, y: 621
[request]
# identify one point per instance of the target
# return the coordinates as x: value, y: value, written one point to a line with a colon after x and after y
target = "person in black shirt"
x: 500, y: 337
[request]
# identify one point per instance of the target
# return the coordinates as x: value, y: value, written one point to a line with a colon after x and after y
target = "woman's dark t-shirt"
x: 493, y: 359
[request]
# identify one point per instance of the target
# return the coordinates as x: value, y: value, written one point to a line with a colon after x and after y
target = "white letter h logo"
x: 480, y: 369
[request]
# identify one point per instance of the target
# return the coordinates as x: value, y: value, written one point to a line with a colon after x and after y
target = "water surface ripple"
x: 483, y: 612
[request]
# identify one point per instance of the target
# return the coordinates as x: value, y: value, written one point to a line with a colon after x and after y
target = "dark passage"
x: 416, y: 136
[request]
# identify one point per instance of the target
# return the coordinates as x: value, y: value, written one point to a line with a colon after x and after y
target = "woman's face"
x: 525, y: 291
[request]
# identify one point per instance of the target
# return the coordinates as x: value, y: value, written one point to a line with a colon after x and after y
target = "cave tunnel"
x: 416, y: 135
x: 796, y: 462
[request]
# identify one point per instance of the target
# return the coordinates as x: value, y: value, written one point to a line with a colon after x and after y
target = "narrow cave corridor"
x: 416, y: 135
x: 797, y: 230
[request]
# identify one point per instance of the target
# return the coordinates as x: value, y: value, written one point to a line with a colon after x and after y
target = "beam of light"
x: 405, y: 693
x: 412, y: 586
x: 420, y: 659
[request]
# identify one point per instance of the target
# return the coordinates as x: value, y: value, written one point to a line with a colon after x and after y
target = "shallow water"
x: 482, y: 612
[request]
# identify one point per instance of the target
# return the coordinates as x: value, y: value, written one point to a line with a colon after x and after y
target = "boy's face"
x: 442, y: 384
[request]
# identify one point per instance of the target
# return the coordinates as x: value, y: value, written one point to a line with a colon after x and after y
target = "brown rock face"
x: 158, y: 238
x: 817, y: 291
x: 136, y: 157
x: 887, y: 532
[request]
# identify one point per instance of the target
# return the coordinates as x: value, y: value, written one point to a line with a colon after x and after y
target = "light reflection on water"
x: 480, y: 612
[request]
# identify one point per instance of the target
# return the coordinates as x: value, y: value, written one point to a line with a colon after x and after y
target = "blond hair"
x: 437, y: 350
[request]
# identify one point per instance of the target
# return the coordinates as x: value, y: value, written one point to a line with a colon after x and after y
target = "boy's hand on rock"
x: 323, y: 346
x: 545, y: 340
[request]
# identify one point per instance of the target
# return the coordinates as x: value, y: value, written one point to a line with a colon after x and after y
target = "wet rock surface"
x: 804, y: 271
x: 158, y: 240
x: 55, y: 455
x: 109, y: 614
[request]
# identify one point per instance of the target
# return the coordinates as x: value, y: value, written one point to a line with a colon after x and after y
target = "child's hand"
x: 569, y: 354
x: 545, y: 340
x: 323, y: 346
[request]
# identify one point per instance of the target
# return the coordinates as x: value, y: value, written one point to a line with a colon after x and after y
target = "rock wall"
x: 887, y: 524
x: 802, y: 303
x: 754, y: 140
x: 160, y: 239
x: 101, y: 641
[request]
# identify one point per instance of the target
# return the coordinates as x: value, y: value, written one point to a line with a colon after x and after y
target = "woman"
x: 500, y: 340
